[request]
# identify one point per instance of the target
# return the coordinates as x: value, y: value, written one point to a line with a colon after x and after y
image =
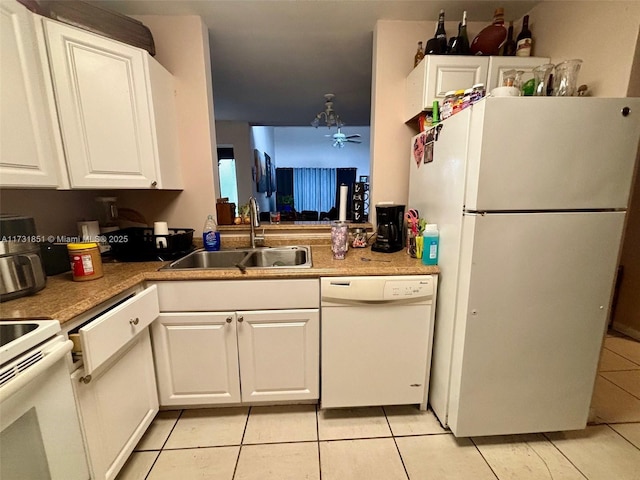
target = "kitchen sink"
x: 266, y: 258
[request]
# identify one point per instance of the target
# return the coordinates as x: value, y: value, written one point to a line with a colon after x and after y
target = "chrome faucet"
x: 255, y: 222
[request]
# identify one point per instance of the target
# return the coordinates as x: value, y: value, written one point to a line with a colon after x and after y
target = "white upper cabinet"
x: 435, y: 75
x: 30, y: 147
x: 498, y: 65
x: 438, y: 74
x: 116, y: 112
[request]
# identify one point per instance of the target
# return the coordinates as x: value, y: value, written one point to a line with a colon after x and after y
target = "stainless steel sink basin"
x: 266, y: 258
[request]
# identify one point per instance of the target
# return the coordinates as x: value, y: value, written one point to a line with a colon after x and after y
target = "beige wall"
x: 394, y: 43
x: 602, y: 34
x: 238, y: 134
x: 182, y: 45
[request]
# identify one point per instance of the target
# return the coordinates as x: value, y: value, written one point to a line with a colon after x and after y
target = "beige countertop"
x: 63, y: 299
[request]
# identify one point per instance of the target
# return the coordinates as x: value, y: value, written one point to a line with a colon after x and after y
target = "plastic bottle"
x: 431, y: 244
x: 210, y: 235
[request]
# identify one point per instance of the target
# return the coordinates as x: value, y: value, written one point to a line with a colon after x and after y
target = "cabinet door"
x: 29, y: 148
x: 196, y: 358
x: 438, y: 74
x: 105, y: 109
x: 279, y: 354
x: 117, y: 406
x: 498, y: 65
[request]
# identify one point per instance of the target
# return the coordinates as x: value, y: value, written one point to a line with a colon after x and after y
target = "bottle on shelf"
x: 509, y: 48
x: 441, y: 34
x: 210, y: 235
x: 523, y: 42
x: 419, y: 55
x: 433, y: 46
x: 491, y: 37
x: 461, y: 43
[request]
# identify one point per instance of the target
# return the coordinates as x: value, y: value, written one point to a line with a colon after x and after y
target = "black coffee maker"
x: 390, y: 232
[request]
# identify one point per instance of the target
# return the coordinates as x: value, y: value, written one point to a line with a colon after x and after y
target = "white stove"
x: 40, y: 435
x: 18, y: 337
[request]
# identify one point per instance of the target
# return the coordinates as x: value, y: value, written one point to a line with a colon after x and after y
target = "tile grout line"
x: 625, y: 438
x: 163, y: 443
x: 544, y: 434
x: 622, y: 356
x: 483, y: 457
x: 318, y: 441
x: 244, y: 431
x: 621, y: 388
x: 406, y: 472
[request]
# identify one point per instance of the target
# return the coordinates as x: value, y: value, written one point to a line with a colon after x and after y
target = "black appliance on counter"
x: 390, y: 231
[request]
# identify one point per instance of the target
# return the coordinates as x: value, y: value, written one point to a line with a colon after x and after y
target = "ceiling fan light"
x: 316, y: 122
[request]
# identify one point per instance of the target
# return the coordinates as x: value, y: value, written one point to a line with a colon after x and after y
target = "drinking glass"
x: 542, y: 75
x: 565, y: 78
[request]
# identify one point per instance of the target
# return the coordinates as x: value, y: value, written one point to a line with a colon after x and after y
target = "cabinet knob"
x: 86, y: 379
x: 241, y: 318
x: 229, y: 319
x: 134, y: 321
x: 154, y: 184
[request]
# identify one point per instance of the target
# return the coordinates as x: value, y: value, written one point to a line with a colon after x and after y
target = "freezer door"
x: 551, y: 153
x: 534, y: 295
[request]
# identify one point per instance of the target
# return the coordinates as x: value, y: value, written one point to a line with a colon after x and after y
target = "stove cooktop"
x: 18, y: 337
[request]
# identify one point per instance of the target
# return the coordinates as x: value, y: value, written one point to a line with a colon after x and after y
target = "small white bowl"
x: 505, y: 92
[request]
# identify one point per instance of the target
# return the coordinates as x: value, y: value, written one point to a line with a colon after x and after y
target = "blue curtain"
x: 314, y: 189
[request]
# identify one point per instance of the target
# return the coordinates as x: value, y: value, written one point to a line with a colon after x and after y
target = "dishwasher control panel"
x: 405, y: 289
x: 382, y: 289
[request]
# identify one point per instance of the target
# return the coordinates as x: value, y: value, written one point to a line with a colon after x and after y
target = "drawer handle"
x: 241, y: 318
x: 134, y: 321
x: 86, y: 379
x: 229, y: 319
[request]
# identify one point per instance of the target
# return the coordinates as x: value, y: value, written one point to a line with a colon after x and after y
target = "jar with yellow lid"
x: 86, y: 263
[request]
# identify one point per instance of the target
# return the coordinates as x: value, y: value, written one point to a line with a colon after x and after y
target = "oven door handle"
x: 51, y: 356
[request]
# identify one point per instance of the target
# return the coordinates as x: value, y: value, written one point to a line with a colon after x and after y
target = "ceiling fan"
x: 340, y: 139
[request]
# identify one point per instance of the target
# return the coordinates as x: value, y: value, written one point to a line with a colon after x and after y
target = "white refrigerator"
x: 530, y: 196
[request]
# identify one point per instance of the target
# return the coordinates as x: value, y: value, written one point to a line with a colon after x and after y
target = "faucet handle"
x: 260, y: 239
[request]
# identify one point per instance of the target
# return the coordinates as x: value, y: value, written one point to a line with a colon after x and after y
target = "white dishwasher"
x: 376, y: 340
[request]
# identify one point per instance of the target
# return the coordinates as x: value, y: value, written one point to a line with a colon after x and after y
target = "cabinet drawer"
x: 105, y: 335
x: 195, y: 296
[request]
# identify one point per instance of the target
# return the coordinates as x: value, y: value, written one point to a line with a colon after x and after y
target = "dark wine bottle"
x: 523, y: 42
x: 509, y: 49
x: 453, y: 41
x: 441, y: 35
x: 433, y: 46
x: 462, y: 41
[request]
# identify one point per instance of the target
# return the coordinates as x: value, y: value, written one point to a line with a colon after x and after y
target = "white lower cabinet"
x: 116, y: 407
x: 256, y: 348
x: 115, y: 388
x: 230, y: 357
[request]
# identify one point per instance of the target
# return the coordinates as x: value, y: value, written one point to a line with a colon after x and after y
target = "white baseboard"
x: 627, y: 330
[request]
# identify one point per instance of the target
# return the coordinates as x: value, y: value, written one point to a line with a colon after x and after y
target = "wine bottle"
x: 523, y: 42
x: 419, y: 55
x: 433, y: 46
x: 509, y: 49
x: 461, y: 44
x: 441, y: 35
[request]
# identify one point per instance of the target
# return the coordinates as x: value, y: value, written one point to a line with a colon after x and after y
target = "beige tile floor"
x: 302, y: 442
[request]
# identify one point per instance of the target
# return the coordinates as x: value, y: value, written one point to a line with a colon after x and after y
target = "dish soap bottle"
x: 431, y: 244
x: 210, y: 235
